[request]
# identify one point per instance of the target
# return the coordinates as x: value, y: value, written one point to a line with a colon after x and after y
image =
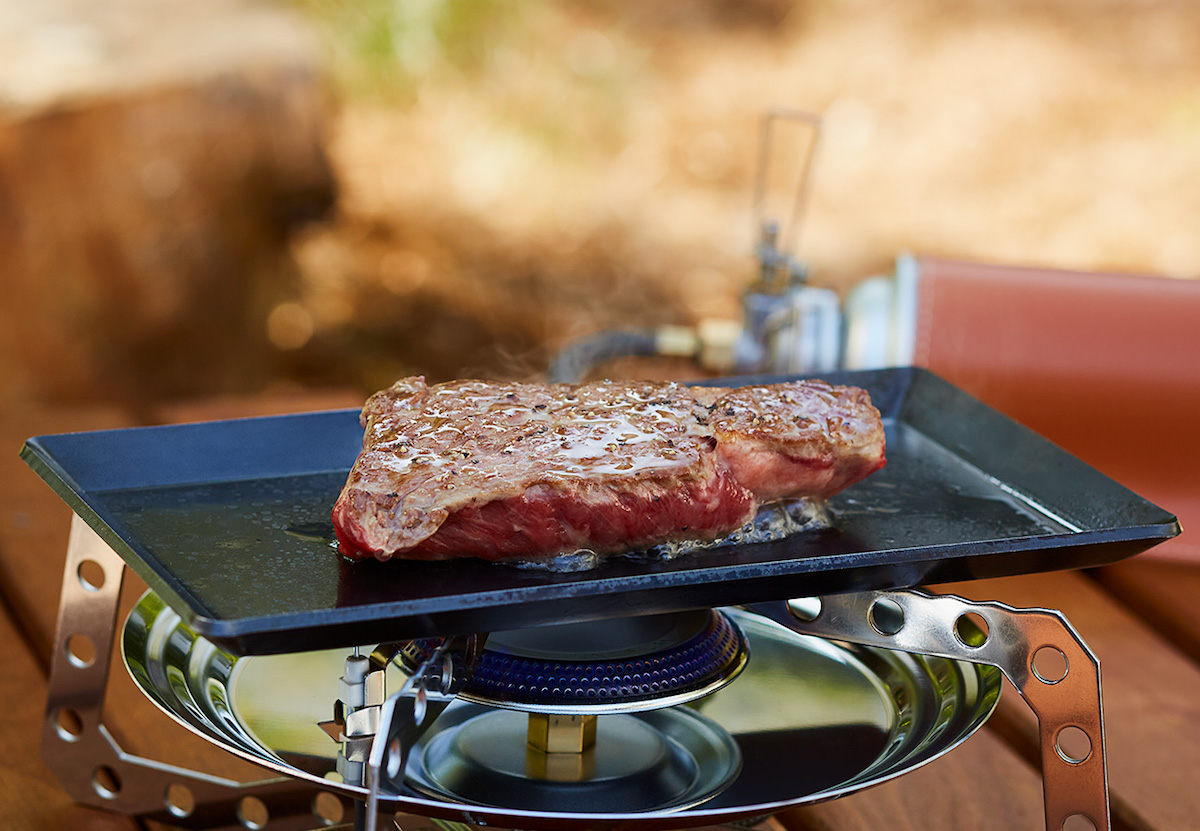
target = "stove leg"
x: 1037, y: 649
x: 86, y: 757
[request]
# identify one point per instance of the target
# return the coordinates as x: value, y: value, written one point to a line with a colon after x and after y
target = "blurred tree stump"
x: 154, y: 157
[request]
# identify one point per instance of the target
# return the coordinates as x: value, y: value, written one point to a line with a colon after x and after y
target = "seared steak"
x: 525, y: 471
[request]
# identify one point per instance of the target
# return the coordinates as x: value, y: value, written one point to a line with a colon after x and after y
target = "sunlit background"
x: 233, y: 197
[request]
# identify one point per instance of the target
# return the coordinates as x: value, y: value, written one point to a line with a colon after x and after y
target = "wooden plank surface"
x: 1165, y: 595
x: 34, y: 525
x: 280, y: 402
x: 30, y: 798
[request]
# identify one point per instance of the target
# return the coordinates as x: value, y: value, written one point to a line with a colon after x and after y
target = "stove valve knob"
x: 355, y: 716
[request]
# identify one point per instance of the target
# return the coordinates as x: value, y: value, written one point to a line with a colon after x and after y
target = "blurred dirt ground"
x: 514, y: 175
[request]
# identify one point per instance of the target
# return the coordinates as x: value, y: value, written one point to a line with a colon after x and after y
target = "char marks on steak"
x: 524, y: 471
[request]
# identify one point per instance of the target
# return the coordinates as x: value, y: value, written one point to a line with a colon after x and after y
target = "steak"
x: 509, y: 471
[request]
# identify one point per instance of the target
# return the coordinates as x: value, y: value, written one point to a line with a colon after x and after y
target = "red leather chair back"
x: 1105, y: 365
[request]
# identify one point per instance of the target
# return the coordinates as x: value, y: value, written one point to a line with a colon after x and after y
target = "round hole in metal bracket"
x: 68, y: 724
x: 327, y: 808
x: 179, y: 800
x: 971, y: 629
x: 886, y: 616
x: 252, y: 813
x: 1079, y: 822
x: 1073, y: 745
x: 805, y: 609
x: 81, y: 652
x: 394, y: 758
x: 91, y: 575
x: 106, y: 782
x: 1049, y: 664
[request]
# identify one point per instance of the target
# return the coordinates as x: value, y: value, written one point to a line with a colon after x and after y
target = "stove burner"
x: 624, y: 664
x: 807, y: 720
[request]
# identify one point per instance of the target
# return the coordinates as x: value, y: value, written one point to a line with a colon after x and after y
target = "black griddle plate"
x: 228, y: 522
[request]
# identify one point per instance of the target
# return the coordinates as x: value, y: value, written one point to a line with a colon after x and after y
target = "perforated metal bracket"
x: 409, y: 712
x: 1037, y: 649
x: 89, y: 761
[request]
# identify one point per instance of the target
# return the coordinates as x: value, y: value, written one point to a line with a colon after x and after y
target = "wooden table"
x: 1140, y: 617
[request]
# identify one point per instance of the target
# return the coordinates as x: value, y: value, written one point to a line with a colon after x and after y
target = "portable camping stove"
x: 655, y: 693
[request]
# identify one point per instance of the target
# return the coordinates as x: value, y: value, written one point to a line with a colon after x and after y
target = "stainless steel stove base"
x: 96, y: 771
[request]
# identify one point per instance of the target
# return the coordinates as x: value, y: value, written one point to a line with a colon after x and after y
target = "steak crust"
x: 506, y: 471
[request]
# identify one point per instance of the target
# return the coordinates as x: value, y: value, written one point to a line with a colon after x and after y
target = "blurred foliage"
x: 385, y: 48
x: 554, y: 73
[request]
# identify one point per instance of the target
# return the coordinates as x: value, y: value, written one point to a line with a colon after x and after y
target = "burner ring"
x: 532, y: 670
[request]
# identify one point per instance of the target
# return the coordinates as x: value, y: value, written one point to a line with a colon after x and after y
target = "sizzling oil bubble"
x: 582, y: 560
x: 790, y: 516
x: 774, y: 521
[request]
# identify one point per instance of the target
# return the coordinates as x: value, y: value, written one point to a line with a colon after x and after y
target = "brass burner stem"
x: 553, y: 733
x: 560, y: 747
